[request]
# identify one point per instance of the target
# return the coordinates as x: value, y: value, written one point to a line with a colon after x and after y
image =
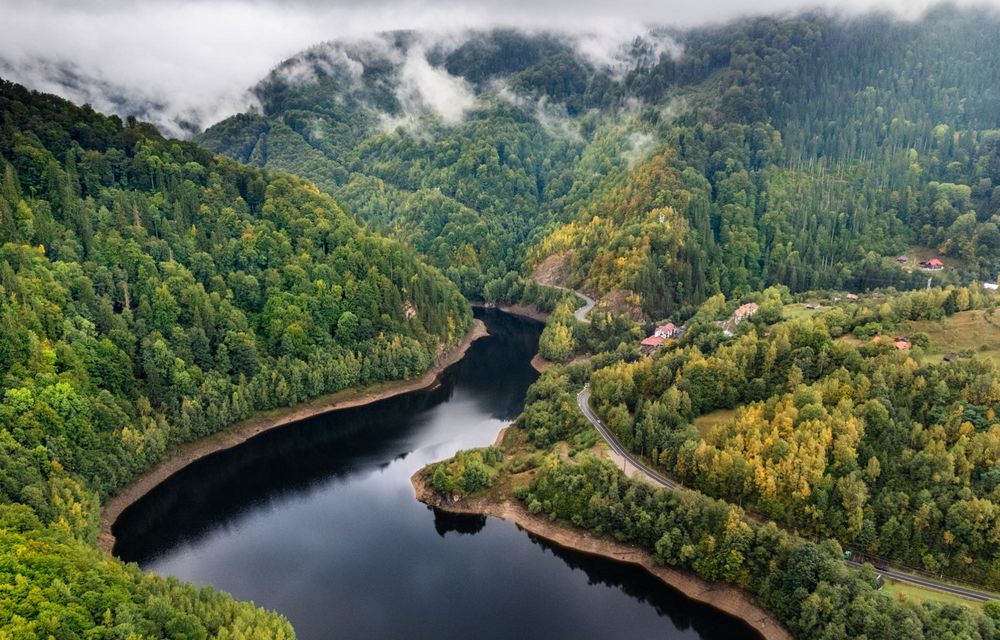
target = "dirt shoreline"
x: 520, y: 310
x: 240, y: 432
x: 540, y: 364
x: 726, y: 598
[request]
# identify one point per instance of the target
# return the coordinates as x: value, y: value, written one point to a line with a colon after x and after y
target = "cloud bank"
x: 185, y: 64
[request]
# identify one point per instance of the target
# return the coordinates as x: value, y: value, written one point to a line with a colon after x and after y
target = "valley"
x: 727, y: 290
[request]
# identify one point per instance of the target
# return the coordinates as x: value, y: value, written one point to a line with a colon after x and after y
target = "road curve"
x: 583, y: 401
x: 588, y: 302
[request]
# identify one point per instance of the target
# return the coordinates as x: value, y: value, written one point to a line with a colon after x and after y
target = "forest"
x: 837, y: 444
x: 857, y: 441
x: 153, y: 292
x: 801, y: 151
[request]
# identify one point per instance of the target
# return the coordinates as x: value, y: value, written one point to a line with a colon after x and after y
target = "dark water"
x: 317, y: 520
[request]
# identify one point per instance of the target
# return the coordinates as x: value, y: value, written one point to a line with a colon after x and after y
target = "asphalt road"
x: 583, y: 401
x: 588, y: 303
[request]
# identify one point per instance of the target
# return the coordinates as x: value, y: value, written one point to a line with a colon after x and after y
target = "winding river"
x: 317, y: 520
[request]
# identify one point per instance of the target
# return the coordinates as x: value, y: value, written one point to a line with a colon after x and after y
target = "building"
x: 651, y: 344
x: 932, y: 265
x: 852, y: 296
x: 902, y: 343
x: 744, y: 311
x: 990, y: 286
x: 902, y: 259
x: 669, y: 330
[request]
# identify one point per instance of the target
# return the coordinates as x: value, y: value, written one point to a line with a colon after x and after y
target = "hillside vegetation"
x: 150, y: 294
x: 806, y: 151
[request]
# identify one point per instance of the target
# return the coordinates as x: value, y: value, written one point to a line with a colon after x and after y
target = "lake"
x: 317, y: 520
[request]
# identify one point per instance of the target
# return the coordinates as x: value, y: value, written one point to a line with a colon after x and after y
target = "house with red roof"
x: 669, y: 330
x: 651, y: 344
x: 932, y: 265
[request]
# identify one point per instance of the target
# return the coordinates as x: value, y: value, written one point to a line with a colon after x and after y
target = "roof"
x: 902, y: 343
x: 991, y: 285
x: 746, y: 309
x: 653, y: 341
x: 670, y: 327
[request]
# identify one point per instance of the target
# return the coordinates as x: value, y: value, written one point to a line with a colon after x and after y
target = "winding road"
x: 583, y: 401
x: 588, y: 302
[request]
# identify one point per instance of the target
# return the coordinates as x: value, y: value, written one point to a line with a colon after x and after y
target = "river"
x: 317, y: 520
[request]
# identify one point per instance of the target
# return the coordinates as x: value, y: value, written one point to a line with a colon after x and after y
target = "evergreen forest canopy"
x: 801, y: 151
x: 152, y: 293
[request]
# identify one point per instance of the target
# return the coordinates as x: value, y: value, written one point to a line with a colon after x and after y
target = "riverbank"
x: 726, y: 598
x: 528, y: 312
x: 240, y: 432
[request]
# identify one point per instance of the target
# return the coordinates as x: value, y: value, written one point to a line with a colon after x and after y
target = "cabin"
x: 990, y: 286
x: 932, y: 265
x: 669, y: 330
x: 902, y: 259
x: 852, y: 296
x: 902, y: 343
x: 812, y: 305
x: 651, y: 344
x: 950, y: 357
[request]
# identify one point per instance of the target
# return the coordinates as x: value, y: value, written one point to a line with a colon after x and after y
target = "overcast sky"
x: 195, y: 59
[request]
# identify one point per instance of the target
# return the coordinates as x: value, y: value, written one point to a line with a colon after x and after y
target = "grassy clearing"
x: 798, y: 310
x: 964, y: 331
x: 918, y: 254
x: 705, y: 423
x: 913, y: 593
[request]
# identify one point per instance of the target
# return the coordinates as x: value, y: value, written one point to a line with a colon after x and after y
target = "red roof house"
x: 669, y: 330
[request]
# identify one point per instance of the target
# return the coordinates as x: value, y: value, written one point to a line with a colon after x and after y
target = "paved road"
x: 588, y: 303
x: 583, y: 401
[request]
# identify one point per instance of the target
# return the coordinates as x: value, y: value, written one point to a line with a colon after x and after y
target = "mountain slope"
x: 808, y: 151
x: 152, y: 294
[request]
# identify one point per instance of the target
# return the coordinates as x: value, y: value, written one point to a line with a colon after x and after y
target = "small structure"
x: 651, y: 344
x: 990, y: 286
x: 669, y: 330
x: 852, y: 296
x: 902, y: 259
x: 812, y: 305
x: 745, y: 311
x: 742, y: 313
x: 950, y: 357
x: 902, y: 343
x: 931, y: 265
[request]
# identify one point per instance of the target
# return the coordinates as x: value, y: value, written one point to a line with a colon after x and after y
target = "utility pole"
x: 929, y: 282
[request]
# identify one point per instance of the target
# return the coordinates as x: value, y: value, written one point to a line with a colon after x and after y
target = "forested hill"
x: 808, y: 151
x: 152, y: 293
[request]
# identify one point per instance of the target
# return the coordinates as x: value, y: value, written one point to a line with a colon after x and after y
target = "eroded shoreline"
x: 528, y: 312
x: 726, y: 598
x: 240, y: 432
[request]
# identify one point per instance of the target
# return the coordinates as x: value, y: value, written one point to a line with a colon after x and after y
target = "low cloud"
x: 640, y: 146
x: 186, y: 64
x: 423, y: 87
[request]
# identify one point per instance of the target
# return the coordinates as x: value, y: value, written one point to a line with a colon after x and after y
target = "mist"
x: 184, y: 64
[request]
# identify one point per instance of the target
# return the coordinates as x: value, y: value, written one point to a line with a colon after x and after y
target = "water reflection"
x: 318, y: 521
